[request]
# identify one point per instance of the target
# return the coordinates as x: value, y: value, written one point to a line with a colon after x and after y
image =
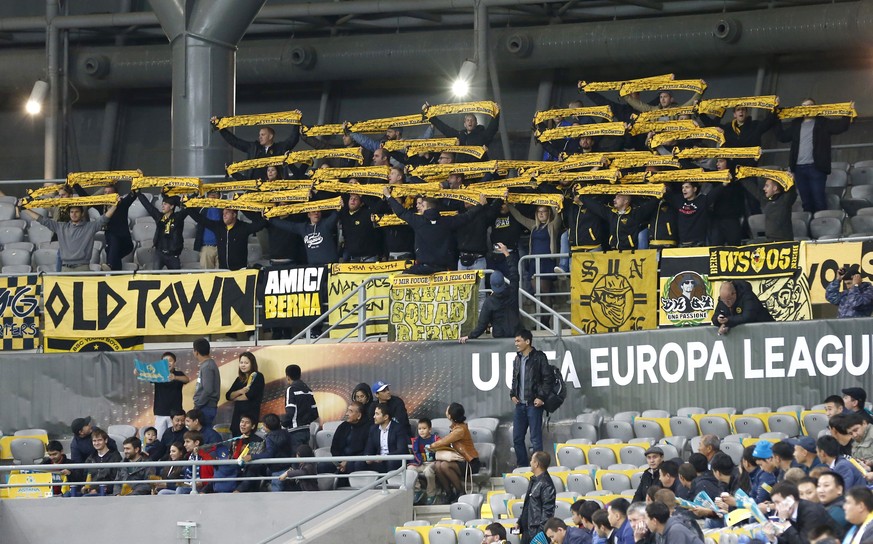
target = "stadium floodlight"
x: 461, y: 86
x: 37, y: 97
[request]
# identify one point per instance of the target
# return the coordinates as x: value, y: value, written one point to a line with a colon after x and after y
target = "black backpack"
x: 557, y: 389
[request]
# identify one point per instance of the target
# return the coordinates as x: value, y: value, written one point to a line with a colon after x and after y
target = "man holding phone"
x: 738, y: 305
x: 855, y: 299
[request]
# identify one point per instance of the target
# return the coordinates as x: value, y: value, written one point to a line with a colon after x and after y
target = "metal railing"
x: 380, y: 481
x: 541, y: 308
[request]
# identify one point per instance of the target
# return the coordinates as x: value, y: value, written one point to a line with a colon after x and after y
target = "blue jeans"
x: 810, y: 182
x: 526, y: 416
x: 208, y: 415
x: 565, y: 248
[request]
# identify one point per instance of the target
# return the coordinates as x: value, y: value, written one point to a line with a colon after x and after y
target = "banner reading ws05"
x: 150, y: 304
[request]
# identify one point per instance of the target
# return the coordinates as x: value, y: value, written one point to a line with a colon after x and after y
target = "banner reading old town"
x: 442, y: 306
x: 19, y: 310
x: 149, y: 304
x: 345, y: 278
x: 614, y: 291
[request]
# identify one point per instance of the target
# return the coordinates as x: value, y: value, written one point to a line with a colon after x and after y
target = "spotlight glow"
x: 460, y: 88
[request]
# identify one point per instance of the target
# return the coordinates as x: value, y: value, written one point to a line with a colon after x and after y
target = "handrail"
x: 533, y: 297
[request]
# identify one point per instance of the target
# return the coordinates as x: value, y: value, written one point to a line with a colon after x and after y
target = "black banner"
x: 292, y: 296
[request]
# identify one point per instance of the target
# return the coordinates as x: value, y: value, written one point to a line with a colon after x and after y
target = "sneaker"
x: 559, y: 270
x: 431, y: 500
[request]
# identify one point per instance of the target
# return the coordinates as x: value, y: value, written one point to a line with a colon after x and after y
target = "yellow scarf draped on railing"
x: 397, y: 145
x: 277, y: 118
x: 306, y: 207
x: 717, y: 106
x: 485, y: 107
x: 841, y: 109
x: 655, y: 190
x: 785, y: 179
x: 692, y: 175
x: 599, y: 86
x: 694, y: 153
x: 368, y: 172
x: 695, y: 85
x: 604, y: 112
x: 713, y: 134
x: 579, y: 131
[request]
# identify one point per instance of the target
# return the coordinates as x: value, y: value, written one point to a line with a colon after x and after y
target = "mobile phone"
x: 515, y: 531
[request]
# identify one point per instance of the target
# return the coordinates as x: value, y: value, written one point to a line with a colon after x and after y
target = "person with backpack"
x: 531, y: 386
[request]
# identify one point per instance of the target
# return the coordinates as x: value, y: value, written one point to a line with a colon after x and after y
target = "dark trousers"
x: 526, y: 416
x: 165, y: 259
x: 298, y: 438
x: 810, y: 183
x: 421, y: 269
x: 117, y: 247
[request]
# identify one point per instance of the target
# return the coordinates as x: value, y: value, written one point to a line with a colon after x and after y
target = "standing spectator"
x: 810, y: 155
x: 625, y: 217
x: 76, y: 237
x: 300, y: 407
x: 396, y: 407
x: 386, y: 438
x: 472, y: 241
x: 856, y: 297
x: 738, y: 305
x: 205, y: 239
x: 319, y: 236
x: 859, y: 507
x: 208, y: 382
x: 133, y: 454
x: 669, y: 529
x: 472, y: 134
x: 692, y: 214
x: 361, y: 241
x: 545, y: 238
x: 505, y: 230
x: 854, y: 400
x: 529, y: 390
x: 776, y: 204
x: 102, y: 454
x: 232, y: 236
x: 654, y: 459
x: 500, y: 310
x: 118, y: 241
x: 247, y: 392
x: 168, y: 395
x: 539, y: 501
x: 82, y: 445
x: 168, y: 239
x: 727, y: 211
x: 264, y: 146
x: 452, y: 474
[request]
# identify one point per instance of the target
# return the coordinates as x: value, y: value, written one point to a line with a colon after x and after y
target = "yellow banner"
x: 96, y: 179
x: 315, y: 205
x: 391, y: 220
x: 821, y: 262
x: 285, y: 185
x: 381, y: 125
x: 414, y: 189
x: 249, y: 164
x: 277, y: 118
x: 506, y: 183
x: 716, y: 106
x: 598, y: 86
x: 842, y: 109
x: 442, y: 306
x: 345, y: 278
x: 19, y: 312
x: 371, y: 172
x: 150, y: 304
x: 618, y: 292
x: 535, y: 199
x: 604, y: 112
x: 713, y: 134
x: 581, y: 131
x: 485, y: 107
x: 90, y: 345
x: 695, y: 85
x: 443, y: 170
x: 785, y: 179
x: 717, y: 153
x: 397, y: 145
x: 692, y: 175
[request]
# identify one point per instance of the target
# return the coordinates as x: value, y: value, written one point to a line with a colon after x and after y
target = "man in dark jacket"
x: 119, y: 243
x: 168, y: 240
x: 395, y: 442
x: 530, y: 388
x: 654, y: 458
x: 810, y: 155
x: 433, y: 233
x: 264, y: 146
x: 82, y: 446
x: 277, y: 445
x: 856, y: 297
x: 667, y: 528
x: 350, y: 438
x: 776, y: 204
x: 232, y: 236
x: 737, y: 305
x: 102, y: 454
x: 803, y: 516
x: 300, y: 407
x: 500, y: 310
x: 472, y: 134
x: 625, y: 217
x: 539, y: 501
x: 396, y: 407
x: 136, y: 472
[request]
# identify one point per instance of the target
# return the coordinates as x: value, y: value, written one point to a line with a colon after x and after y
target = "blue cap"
x: 763, y: 450
x: 805, y: 442
x: 379, y: 386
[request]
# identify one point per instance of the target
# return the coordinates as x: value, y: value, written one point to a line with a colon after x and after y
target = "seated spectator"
x: 176, y: 452
x: 133, y: 454
x: 350, y: 438
x: 424, y: 462
x: 834, y: 405
x: 738, y: 305
x: 82, y: 445
x: 582, y: 511
x: 602, y: 527
x: 277, y: 445
x: 669, y: 529
x: 176, y: 432
x: 636, y: 516
x: 300, y: 469
x: 856, y: 297
x: 386, y: 438
x: 783, y: 455
x: 396, y: 407
x: 862, y: 439
x: 858, y: 507
x: 153, y: 447
x: 494, y: 533
x: 558, y: 533
x: 617, y: 513
x: 854, y: 399
x: 729, y: 479
x: 829, y: 454
x: 102, y: 454
x: 805, y: 453
x: 668, y: 475
x: 247, y: 442
x: 683, y: 516
x: 830, y: 489
x: 763, y: 454
x: 194, y: 422
x: 709, y: 446
x: 652, y: 474
x: 55, y: 456
x: 194, y: 448
x: 500, y: 309
x: 363, y: 394
x: 803, y: 516
x: 452, y: 473
x: 838, y: 426
x: 808, y: 489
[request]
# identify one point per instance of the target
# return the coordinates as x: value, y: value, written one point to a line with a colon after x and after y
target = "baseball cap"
x: 380, y: 385
x: 497, y: 282
x: 79, y: 423
x: 763, y: 450
x: 851, y: 271
x: 655, y: 450
x: 856, y: 393
x: 806, y: 442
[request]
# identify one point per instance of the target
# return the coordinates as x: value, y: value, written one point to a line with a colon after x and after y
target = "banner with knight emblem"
x: 614, y: 291
x: 687, y: 296
x: 774, y: 271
